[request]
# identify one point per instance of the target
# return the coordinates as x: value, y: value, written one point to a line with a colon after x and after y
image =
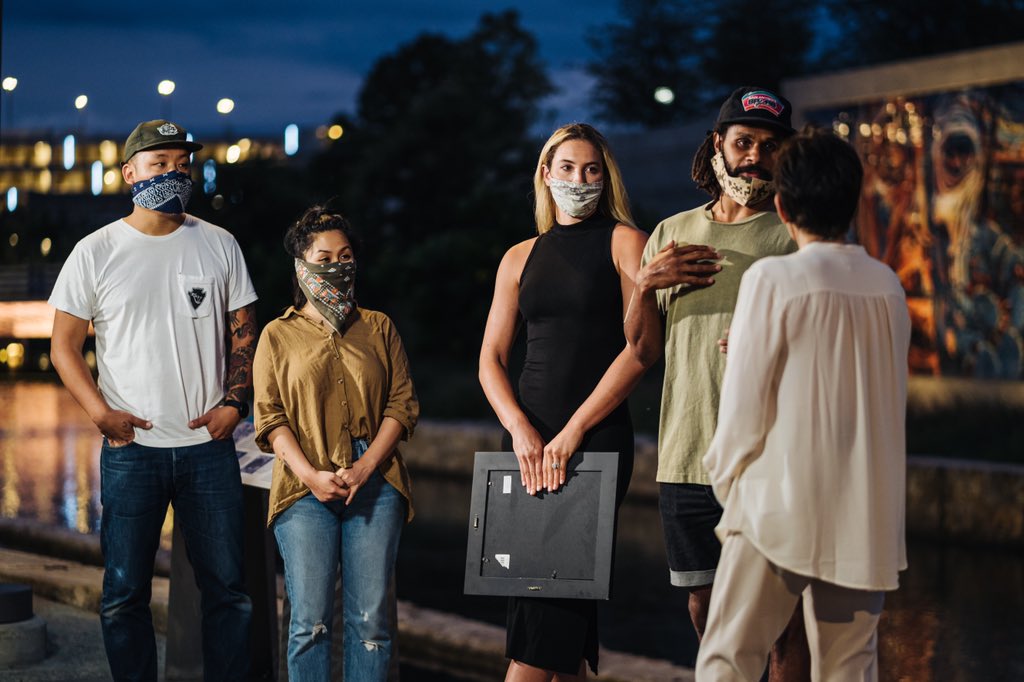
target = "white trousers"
x: 753, y: 600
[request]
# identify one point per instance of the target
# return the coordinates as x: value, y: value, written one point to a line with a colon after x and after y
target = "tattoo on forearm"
x: 242, y: 336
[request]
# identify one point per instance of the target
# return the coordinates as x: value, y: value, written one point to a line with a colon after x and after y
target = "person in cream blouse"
x: 809, y: 457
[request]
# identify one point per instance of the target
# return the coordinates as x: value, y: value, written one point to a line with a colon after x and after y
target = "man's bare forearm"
x: 242, y: 334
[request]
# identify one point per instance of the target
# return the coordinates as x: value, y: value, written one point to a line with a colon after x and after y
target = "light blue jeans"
x: 314, y: 538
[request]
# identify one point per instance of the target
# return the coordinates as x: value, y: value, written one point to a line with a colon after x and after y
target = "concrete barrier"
x: 947, y: 499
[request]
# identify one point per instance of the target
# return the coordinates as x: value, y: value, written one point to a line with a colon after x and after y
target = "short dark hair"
x: 817, y: 179
x: 299, y: 237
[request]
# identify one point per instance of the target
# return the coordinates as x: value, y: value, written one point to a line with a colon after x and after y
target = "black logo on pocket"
x: 196, y: 297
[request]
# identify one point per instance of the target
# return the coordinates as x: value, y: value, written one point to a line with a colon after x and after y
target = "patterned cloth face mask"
x: 745, y: 191
x: 167, y: 193
x: 330, y: 287
x: 578, y: 199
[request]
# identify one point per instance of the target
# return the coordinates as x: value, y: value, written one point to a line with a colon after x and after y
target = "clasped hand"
x: 342, y: 484
x: 543, y: 466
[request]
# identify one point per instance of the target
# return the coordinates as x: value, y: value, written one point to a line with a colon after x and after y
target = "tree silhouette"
x: 435, y: 172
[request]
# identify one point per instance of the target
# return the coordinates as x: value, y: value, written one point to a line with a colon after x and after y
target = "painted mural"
x: 943, y: 205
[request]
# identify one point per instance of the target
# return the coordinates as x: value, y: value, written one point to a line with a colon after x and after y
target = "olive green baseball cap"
x: 158, y: 134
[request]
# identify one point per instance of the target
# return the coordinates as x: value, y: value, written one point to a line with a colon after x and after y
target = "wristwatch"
x: 243, y: 408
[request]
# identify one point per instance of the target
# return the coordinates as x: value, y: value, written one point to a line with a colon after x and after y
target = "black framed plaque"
x: 552, y: 544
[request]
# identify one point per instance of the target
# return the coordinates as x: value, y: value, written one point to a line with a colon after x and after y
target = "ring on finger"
x: 554, y: 465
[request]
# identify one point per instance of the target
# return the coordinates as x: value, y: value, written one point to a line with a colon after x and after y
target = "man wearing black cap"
x: 163, y: 290
x: 683, y: 303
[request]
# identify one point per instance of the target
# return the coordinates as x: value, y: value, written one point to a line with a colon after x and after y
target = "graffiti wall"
x: 943, y: 205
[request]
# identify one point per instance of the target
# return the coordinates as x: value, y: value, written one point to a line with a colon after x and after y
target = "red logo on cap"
x: 759, y: 99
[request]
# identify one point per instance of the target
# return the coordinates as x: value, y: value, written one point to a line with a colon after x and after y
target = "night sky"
x: 281, y: 62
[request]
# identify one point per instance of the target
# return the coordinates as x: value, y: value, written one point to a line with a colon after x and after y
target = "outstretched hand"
x: 675, y: 265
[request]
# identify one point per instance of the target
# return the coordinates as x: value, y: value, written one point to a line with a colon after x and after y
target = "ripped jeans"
x: 314, y: 538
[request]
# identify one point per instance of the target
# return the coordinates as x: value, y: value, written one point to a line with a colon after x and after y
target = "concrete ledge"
x: 969, y: 502
x: 428, y: 638
x: 947, y: 499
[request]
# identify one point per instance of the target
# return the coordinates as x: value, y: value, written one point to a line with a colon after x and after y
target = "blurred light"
x: 10, y: 83
x: 108, y: 153
x: 217, y: 202
x: 96, y: 178
x: 15, y: 355
x: 335, y: 132
x: 843, y: 129
x: 225, y: 106
x: 44, y: 362
x: 90, y: 359
x: 3, y: 355
x: 81, y: 101
x: 13, y: 239
x: 245, y: 144
x: 321, y: 132
x: 901, y: 136
x: 110, y: 177
x: 45, y: 246
x: 664, y: 95
x: 234, y: 151
x: 12, y: 199
x: 210, y: 176
x: 165, y: 87
x: 44, y: 181
x: 42, y: 154
x: 69, y: 152
x: 291, y: 139
x: 865, y: 130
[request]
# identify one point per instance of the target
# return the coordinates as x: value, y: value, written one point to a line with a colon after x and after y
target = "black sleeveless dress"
x: 570, y: 297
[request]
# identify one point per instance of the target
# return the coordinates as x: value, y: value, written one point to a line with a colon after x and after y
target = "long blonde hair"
x: 614, y: 202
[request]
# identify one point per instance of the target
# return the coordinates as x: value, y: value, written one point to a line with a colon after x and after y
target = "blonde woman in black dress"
x: 571, y: 285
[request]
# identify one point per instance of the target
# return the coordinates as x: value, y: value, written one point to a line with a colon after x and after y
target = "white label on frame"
x: 503, y: 559
x: 506, y: 486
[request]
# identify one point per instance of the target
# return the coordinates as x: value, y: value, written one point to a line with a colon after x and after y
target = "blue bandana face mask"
x: 167, y: 193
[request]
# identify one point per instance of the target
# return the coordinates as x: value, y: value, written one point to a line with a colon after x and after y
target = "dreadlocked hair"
x: 301, y: 234
x: 701, y: 171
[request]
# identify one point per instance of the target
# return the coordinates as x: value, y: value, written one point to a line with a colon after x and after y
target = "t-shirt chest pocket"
x: 195, y: 295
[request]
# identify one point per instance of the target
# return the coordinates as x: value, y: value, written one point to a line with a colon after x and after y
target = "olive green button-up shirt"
x: 330, y: 388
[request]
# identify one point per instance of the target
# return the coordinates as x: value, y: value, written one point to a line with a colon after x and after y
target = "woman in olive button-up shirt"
x: 333, y: 399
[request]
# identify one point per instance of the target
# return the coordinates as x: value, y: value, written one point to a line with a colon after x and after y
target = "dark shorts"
x: 689, y: 514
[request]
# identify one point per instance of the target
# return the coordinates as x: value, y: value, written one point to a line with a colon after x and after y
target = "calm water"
x: 959, y: 614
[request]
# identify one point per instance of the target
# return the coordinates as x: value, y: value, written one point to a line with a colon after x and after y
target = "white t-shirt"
x: 159, y: 307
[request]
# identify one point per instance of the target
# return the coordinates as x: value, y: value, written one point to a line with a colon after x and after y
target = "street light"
x: 80, y: 102
x: 225, y: 106
x: 8, y: 84
x: 165, y: 88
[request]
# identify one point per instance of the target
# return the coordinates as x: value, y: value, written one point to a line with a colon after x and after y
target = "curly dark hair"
x: 818, y: 177
x: 300, y: 235
x: 701, y: 171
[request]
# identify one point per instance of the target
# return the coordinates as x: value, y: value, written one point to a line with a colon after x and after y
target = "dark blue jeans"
x: 203, y: 484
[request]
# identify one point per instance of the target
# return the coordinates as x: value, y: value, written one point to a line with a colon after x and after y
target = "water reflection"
x: 959, y: 614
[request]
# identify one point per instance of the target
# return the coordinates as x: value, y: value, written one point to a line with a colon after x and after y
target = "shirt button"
x: 341, y: 381
x: 345, y: 403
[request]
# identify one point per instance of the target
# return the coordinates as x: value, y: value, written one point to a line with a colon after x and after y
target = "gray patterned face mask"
x: 745, y: 191
x: 578, y: 199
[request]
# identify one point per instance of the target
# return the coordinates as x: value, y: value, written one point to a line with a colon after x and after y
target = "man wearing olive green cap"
x: 163, y: 290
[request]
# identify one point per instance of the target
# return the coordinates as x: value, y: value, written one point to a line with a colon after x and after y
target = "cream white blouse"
x: 809, y: 457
